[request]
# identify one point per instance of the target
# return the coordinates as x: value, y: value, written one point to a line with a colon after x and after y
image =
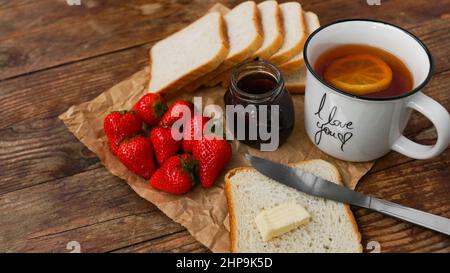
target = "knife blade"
x: 316, y: 186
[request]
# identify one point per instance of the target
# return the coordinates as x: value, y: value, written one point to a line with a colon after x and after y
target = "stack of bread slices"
x: 205, y: 52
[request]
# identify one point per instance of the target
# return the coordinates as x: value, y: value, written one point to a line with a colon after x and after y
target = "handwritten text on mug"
x: 326, y: 126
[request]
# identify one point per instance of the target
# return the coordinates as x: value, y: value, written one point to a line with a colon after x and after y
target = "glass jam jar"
x: 255, y: 84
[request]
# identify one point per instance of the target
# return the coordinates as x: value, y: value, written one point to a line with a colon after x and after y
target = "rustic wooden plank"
x: 108, y: 216
x: 93, y: 208
x: 50, y: 92
x: 398, y: 12
x: 419, y: 128
x: 177, y: 242
x: 106, y: 236
x: 59, y: 33
x: 87, y: 183
x: 40, y: 151
x: 436, y: 90
x: 419, y: 184
x: 5, y: 4
x: 37, y: 119
x: 426, y: 136
x: 434, y: 39
x: 93, y: 201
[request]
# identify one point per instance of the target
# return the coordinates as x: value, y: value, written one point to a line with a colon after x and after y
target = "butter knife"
x: 316, y: 186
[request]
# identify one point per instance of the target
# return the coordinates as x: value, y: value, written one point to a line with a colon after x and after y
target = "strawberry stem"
x: 189, y: 167
x: 159, y: 108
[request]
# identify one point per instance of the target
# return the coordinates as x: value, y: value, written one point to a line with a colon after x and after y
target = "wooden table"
x: 53, y: 190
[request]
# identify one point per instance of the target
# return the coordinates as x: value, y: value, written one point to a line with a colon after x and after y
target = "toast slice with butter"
x: 331, y: 227
x: 188, y: 54
x: 245, y: 37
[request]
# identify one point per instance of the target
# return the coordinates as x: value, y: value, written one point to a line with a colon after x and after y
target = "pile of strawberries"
x: 171, y: 165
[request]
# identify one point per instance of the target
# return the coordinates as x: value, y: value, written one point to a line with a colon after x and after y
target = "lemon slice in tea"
x: 359, y: 74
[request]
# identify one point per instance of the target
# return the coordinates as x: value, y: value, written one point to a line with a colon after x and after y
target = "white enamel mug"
x: 355, y: 128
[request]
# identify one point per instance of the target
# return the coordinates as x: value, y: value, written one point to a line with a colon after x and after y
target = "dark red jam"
x: 259, y: 83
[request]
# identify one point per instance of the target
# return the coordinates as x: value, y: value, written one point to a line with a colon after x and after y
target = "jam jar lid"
x: 255, y: 67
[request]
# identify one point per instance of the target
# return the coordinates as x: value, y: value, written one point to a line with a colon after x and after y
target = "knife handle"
x: 425, y: 219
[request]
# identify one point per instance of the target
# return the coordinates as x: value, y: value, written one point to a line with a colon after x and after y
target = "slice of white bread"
x: 219, y: 8
x: 295, y: 80
x: 294, y: 71
x: 312, y: 23
x: 222, y: 79
x: 188, y: 54
x: 244, y: 35
x: 294, y: 32
x: 272, y: 26
x: 293, y: 64
x: 332, y: 227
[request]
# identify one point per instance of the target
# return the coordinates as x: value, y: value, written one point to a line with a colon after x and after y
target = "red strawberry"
x: 137, y: 155
x: 164, y: 144
x: 177, y: 175
x: 150, y: 108
x: 175, y: 112
x: 120, y: 125
x: 213, y: 154
x: 193, y: 131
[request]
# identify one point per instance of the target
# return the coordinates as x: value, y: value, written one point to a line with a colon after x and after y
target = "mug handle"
x: 440, y: 118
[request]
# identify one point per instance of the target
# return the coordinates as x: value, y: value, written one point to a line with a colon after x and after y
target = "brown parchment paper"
x: 202, y: 212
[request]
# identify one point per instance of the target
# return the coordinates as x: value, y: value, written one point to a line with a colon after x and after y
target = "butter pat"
x: 280, y: 219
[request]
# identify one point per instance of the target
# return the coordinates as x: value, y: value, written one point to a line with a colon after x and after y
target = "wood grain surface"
x: 53, y: 190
